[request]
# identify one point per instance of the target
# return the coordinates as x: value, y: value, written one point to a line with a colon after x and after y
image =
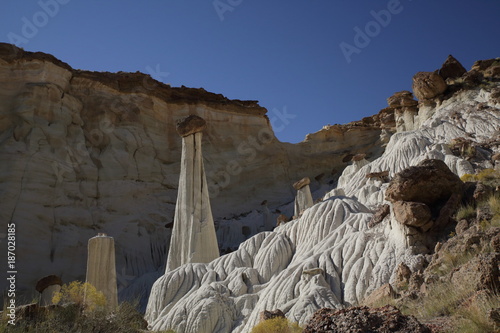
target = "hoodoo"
x: 101, y: 268
x: 193, y: 235
x: 303, y: 200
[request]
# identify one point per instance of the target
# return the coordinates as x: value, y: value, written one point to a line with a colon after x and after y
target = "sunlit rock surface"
x: 89, y: 152
x: 328, y: 257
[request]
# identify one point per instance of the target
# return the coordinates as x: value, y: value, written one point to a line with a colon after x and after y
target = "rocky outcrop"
x: 427, y: 85
x: 379, y: 215
x: 451, y: 69
x: 48, y: 286
x: 101, y: 268
x: 402, y: 99
x: 303, y: 199
x: 413, y: 214
x: 193, y: 235
x: 424, y: 198
x: 430, y: 182
x: 363, y: 319
x: 265, y: 315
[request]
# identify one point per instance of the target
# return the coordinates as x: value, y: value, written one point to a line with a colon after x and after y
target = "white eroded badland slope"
x: 329, y: 257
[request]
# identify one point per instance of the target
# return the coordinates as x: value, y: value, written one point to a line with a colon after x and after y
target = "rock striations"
x: 91, y: 152
x: 87, y: 152
x: 193, y: 235
x: 332, y: 256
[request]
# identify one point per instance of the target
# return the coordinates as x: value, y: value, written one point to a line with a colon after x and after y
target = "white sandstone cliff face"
x: 328, y: 257
x: 84, y: 152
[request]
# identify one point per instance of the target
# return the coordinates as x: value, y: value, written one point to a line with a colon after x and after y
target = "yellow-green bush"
x: 277, y: 325
x: 487, y: 176
x: 83, y: 295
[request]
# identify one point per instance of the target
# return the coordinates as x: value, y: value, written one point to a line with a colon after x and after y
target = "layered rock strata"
x: 87, y: 152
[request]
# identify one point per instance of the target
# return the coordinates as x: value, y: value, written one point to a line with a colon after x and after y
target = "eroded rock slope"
x: 335, y: 254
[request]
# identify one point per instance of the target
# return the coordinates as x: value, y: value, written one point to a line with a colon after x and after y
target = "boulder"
x: 473, y: 78
x: 430, y: 182
x: 363, y: 319
x: 301, y: 183
x: 382, y: 176
x: 190, y: 125
x: 402, y: 99
x: 403, y: 275
x: 380, y: 294
x: 47, y: 287
x: 379, y: 215
x: 413, y: 214
x: 451, y: 68
x: 265, y: 315
x: 358, y: 157
x: 480, y: 273
x: 282, y: 219
x: 427, y: 85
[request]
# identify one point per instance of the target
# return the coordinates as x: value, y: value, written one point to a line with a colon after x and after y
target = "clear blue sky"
x: 286, y: 54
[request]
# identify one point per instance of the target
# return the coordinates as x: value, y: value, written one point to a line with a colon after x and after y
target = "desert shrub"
x: 487, y: 176
x: 277, y: 325
x: 80, y: 308
x: 83, y: 295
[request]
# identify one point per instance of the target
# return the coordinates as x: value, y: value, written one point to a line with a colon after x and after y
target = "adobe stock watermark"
x: 248, y: 151
x: 30, y: 26
x: 363, y: 37
x: 223, y: 6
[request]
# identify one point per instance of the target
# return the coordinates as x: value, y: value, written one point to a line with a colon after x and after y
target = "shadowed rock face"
x: 451, y: 68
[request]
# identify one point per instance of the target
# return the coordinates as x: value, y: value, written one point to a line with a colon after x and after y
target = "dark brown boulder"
x: 430, y: 182
x: 190, y: 125
x: 427, y: 85
x: 363, y: 319
x: 379, y: 215
x: 452, y: 68
x: 47, y: 281
x: 402, y: 99
x: 413, y: 214
x: 265, y: 315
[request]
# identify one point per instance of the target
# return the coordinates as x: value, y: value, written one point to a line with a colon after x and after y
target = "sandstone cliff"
x: 86, y: 152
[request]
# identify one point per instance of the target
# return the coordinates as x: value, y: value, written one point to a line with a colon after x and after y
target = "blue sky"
x: 286, y: 54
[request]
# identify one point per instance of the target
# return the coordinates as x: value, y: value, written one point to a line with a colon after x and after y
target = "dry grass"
x: 277, y: 325
x: 466, y: 212
x: 473, y: 316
